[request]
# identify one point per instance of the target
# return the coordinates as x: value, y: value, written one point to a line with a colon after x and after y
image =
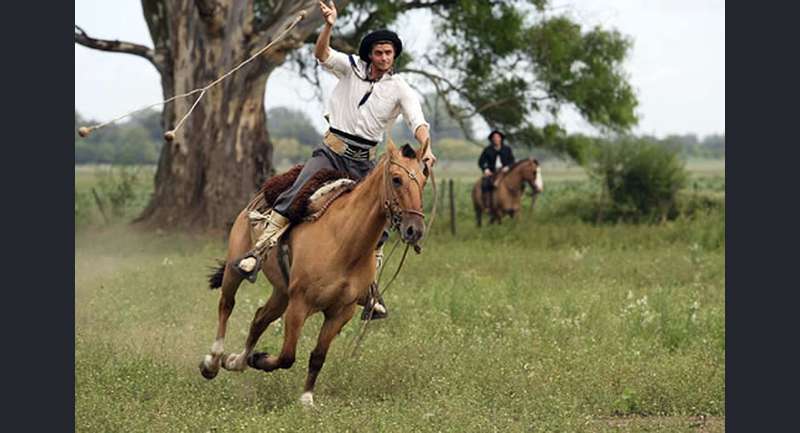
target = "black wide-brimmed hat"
x: 379, y: 36
x: 502, y: 136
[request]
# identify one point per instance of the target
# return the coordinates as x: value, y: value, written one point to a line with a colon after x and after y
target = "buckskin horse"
x: 332, y: 265
x: 509, y: 186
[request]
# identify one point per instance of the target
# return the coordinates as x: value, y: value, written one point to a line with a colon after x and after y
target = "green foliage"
x: 290, y: 150
x: 584, y: 68
x: 137, y: 141
x: 442, y: 123
x: 641, y: 178
x: 689, y: 145
x: 288, y: 123
x: 110, y: 194
x: 513, y: 62
x: 116, y: 187
x: 84, y: 208
x: 453, y: 149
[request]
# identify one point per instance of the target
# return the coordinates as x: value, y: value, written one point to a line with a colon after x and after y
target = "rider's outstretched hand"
x: 328, y: 12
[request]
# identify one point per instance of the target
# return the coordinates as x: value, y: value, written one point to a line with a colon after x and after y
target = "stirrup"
x: 253, y: 274
x: 375, y: 298
x: 376, y: 315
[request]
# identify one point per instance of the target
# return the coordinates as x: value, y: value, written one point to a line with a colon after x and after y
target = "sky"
x: 676, y: 65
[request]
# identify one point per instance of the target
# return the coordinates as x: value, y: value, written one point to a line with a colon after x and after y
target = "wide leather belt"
x: 340, y: 147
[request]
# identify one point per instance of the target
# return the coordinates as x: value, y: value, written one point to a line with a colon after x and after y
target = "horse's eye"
x: 397, y: 182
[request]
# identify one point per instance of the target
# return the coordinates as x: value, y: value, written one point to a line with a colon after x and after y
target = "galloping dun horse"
x: 332, y: 265
x: 507, y: 195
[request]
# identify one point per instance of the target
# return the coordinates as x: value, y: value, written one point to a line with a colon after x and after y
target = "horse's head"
x: 404, y: 176
x: 532, y: 174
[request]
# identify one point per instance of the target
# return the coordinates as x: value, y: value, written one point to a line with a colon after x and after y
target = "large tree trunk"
x: 222, y: 152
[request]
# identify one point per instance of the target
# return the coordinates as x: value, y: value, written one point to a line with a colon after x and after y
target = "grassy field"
x: 543, y: 324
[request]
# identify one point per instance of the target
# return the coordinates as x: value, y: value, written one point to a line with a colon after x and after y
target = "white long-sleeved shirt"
x: 390, y: 97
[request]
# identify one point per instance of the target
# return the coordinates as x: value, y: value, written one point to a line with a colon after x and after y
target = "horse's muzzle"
x: 412, y: 227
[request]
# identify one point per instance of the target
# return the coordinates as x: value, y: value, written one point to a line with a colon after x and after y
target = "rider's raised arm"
x: 331, y: 60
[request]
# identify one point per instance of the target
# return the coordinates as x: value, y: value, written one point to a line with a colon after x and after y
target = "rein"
x: 394, y: 217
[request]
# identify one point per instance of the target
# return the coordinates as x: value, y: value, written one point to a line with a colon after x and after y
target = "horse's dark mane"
x: 520, y: 162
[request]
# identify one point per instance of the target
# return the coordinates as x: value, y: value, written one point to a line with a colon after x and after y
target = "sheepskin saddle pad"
x: 314, y: 197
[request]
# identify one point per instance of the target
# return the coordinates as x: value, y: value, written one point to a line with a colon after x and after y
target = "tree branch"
x: 297, y: 37
x: 453, y: 111
x: 488, y: 105
x: 114, y: 46
x: 435, y: 79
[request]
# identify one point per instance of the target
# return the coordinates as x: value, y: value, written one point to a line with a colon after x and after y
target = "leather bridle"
x: 394, y: 211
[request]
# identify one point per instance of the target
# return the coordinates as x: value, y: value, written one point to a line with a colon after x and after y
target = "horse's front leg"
x: 334, y: 322
x: 496, y: 216
x: 265, y: 315
x: 295, y: 317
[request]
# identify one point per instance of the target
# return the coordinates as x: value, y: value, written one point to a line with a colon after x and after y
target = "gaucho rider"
x: 495, y: 158
x: 367, y: 98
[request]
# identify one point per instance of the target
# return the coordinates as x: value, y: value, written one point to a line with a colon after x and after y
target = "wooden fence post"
x: 452, y: 210
x: 100, y: 205
x: 443, y: 189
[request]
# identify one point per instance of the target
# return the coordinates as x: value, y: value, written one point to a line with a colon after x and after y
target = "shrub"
x: 116, y: 187
x: 640, y: 178
x: 83, y: 208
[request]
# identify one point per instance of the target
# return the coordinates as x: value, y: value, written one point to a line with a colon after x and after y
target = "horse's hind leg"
x: 334, y: 322
x: 231, y: 280
x: 238, y: 243
x: 295, y: 317
x: 268, y: 313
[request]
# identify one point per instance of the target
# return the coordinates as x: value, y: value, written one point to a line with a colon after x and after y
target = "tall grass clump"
x: 115, y: 194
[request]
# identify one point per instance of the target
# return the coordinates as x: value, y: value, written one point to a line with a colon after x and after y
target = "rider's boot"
x: 249, y: 264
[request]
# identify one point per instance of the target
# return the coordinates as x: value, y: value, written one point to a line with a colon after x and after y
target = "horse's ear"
x: 408, y: 151
x: 390, y: 147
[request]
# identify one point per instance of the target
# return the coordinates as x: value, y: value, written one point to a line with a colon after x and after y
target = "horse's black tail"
x: 215, y: 278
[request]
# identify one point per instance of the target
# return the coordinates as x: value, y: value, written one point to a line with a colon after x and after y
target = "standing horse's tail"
x: 215, y: 278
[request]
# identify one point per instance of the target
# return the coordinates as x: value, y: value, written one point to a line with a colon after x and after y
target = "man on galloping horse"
x: 496, y: 157
x: 367, y: 98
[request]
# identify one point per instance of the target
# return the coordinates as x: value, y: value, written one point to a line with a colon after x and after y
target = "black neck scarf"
x: 364, y: 78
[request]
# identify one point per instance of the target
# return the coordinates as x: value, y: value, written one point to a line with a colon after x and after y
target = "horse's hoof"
x: 255, y: 360
x: 307, y: 399
x: 207, y: 373
x: 232, y: 362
